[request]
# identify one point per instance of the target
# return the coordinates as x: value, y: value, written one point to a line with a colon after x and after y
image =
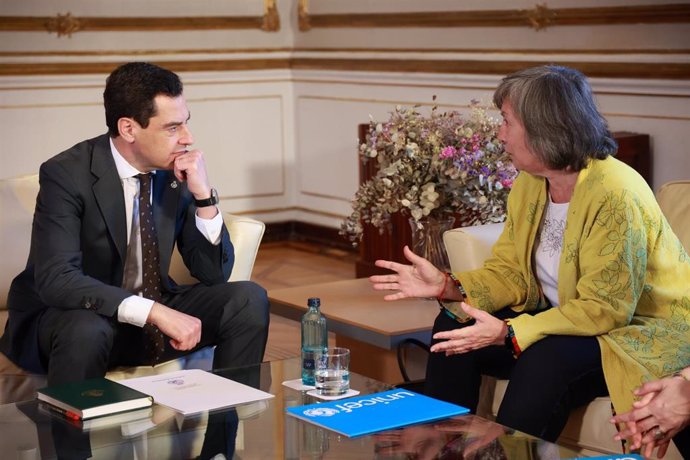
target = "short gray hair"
x: 556, y: 106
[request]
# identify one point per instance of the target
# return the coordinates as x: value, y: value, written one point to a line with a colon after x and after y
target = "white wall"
x: 281, y: 144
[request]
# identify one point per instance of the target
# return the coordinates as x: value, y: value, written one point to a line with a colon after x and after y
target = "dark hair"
x: 130, y: 91
x: 556, y: 106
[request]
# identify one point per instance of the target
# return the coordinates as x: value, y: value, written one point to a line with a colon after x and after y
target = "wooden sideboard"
x: 633, y: 149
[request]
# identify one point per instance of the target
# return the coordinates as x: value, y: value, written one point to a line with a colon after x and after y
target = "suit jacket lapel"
x: 107, y: 190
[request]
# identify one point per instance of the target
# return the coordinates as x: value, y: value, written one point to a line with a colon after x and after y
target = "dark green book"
x: 93, y: 398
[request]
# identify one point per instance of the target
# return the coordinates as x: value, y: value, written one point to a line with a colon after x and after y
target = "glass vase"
x: 427, y: 239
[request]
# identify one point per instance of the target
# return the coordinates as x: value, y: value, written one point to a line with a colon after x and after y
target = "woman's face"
x: 513, y: 136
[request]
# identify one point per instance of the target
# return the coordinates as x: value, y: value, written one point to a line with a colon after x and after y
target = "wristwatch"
x: 212, y: 201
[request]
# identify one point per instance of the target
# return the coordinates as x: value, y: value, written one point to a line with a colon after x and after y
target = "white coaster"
x: 297, y: 385
x: 347, y: 394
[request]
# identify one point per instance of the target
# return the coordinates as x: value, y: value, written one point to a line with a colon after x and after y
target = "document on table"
x: 193, y: 391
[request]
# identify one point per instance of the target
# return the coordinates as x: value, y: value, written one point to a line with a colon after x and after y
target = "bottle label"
x: 308, y: 364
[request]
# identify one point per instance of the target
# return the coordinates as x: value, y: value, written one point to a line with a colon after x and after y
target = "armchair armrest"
x: 17, y: 202
x: 469, y: 247
x: 245, y: 234
x: 673, y: 201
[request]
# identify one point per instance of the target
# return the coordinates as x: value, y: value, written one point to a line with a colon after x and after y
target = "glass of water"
x: 332, y: 372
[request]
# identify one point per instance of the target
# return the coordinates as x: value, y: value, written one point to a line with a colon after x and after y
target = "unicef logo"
x: 320, y: 412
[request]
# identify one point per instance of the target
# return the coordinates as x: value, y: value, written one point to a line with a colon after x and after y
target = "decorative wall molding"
x: 657, y: 70
x: 538, y: 18
x: 303, y: 15
x: 64, y: 24
x: 271, y: 19
x: 341, y: 50
x: 661, y: 70
x: 67, y: 24
x: 76, y: 68
x: 147, y: 52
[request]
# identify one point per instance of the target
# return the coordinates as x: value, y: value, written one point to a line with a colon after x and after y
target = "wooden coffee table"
x: 362, y: 321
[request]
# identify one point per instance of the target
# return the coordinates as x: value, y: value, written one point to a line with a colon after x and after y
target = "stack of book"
x: 95, y: 403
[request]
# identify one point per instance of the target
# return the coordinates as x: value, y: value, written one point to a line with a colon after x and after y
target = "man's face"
x: 165, y: 138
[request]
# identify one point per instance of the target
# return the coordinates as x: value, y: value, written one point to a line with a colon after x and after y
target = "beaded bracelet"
x: 511, y: 342
x: 458, y: 285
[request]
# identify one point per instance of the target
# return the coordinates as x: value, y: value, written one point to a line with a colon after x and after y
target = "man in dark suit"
x: 78, y: 308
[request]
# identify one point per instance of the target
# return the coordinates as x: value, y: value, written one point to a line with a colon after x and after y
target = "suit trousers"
x: 79, y: 344
x: 547, y: 381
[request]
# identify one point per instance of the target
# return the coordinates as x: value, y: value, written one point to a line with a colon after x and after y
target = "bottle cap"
x: 314, y: 302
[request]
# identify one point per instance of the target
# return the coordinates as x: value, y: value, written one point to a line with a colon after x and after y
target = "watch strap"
x: 211, y: 201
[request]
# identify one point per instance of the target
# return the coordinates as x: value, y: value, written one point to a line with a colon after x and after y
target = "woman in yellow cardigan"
x: 586, y: 293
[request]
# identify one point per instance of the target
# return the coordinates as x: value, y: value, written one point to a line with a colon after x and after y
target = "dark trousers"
x: 682, y: 442
x: 548, y: 380
x: 80, y: 344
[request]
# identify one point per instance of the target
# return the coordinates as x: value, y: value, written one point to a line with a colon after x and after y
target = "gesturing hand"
x: 421, y: 279
x: 487, y: 330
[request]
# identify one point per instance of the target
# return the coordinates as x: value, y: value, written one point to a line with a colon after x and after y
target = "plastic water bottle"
x: 314, y: 338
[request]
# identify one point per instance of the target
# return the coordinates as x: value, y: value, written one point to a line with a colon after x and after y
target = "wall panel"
x: 41, y: 117
x: 239, y: 123
x: 276, y: 112
x: 245, y: 143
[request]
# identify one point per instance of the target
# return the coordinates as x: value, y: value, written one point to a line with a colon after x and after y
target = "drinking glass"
x: 332, y: 372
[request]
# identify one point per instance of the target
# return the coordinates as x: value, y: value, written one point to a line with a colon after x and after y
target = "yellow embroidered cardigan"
x: 623, y: 276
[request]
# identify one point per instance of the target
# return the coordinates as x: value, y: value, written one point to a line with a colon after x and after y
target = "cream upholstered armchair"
x: 674, y: 201
x: 588, y: 429
x: 17, y: 202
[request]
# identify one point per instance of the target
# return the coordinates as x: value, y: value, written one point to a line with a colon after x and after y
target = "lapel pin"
x: 173, y: 184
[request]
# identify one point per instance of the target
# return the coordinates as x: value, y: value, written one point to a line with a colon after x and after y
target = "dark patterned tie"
x: 151, y: 282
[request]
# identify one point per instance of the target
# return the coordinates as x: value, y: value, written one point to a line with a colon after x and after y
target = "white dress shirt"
x: 135, y: 309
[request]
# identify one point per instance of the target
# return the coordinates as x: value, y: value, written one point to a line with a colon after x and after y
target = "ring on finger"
x: 659, y: 434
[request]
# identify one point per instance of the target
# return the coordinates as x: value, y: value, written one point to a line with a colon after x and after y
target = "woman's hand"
x: 487, y: 330
x: 662, y: 411
x: 421, y: 279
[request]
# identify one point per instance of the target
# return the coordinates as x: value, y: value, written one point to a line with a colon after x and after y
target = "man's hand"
x: 487, y: 330
x: 184, y: 330
x: 191, y: 167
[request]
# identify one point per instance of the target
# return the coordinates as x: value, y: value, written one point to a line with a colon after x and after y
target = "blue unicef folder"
x: 366, y: 414
x: 615, y: 457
